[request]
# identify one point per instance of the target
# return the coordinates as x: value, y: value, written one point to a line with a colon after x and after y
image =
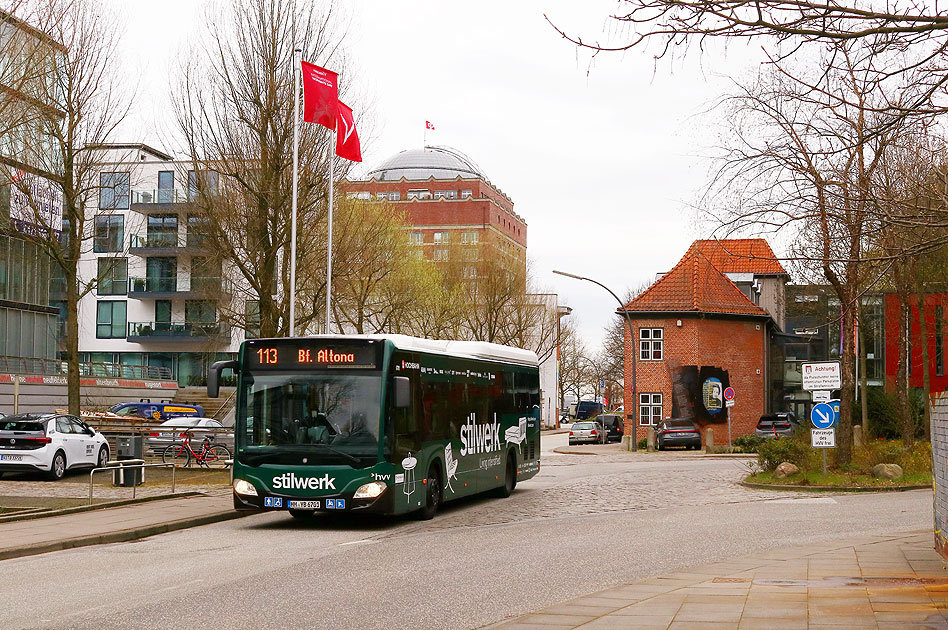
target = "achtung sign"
x: 820, y: 376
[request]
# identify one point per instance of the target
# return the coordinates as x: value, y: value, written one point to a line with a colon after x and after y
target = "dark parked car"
x: 613, y: 425
x: 781, y: 424
x: 582, y: 432
x: 588, y: 409
x: 677, y: 432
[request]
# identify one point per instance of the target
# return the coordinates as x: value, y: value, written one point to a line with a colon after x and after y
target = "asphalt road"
x: 584, y: 524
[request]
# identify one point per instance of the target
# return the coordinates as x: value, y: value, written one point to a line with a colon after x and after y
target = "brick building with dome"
x: 450, y: 205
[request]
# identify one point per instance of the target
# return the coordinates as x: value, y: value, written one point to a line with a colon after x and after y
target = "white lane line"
x: 803, y: 500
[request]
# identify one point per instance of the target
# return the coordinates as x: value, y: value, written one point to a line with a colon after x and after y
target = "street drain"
x: 839, y: 582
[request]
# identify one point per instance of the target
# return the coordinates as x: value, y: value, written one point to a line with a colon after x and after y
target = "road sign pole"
x: 730, y: 448
x: 824, y: 462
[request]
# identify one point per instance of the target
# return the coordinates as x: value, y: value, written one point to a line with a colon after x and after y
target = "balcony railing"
x: 162, y: 195
x: 174, y: 284
x: 178, y: 330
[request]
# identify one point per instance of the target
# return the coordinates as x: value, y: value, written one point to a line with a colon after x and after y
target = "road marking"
x: 364, y: 541
x: 804, y: 500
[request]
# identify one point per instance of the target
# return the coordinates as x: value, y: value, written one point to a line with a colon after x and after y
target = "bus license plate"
x: 304, y: 505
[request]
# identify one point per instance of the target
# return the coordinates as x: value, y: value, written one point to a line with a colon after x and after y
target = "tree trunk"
x: 847, y: 369
x: 902, y: 372
x: 926, y: 374
x: 863, y: 376
x: 72, y: 339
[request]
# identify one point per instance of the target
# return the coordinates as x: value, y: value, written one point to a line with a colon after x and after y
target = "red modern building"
x: 935, y: 306
x: 449, y: 202
x: 703, y: 327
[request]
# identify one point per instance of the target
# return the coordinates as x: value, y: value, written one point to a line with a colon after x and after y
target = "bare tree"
x: 234, y: 109
x: 84, y: 84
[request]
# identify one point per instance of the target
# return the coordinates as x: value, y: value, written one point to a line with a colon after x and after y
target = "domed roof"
x: 433, y: 161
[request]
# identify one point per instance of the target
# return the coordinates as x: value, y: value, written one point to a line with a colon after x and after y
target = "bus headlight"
x: 369, y: 490
x: 244, y: 487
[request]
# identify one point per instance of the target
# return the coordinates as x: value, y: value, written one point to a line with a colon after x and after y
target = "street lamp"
x: 628, y: 319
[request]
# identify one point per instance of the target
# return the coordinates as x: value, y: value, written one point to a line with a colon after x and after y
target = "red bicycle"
x: 210, y: 456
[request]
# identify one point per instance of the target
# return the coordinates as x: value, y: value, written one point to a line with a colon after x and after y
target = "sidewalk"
x: 881, y: 582
x: 109, y: 525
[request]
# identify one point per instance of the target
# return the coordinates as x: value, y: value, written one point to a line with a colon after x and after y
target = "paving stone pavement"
x: 878, y: 583
x: 640, y: 487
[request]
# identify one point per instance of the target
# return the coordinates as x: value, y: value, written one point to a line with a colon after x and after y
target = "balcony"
x: 173, y: 287
x: 145, y: 332
x: 164, y: 244
x: 159, y: 199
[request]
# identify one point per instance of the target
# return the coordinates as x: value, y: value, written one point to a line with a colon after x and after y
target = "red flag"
x: 347, y: 140
x: 320, y: 96
x: 429, y: 125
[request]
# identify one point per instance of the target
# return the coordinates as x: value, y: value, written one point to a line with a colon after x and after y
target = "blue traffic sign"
x: 835, y: 405
x: 823, y: 416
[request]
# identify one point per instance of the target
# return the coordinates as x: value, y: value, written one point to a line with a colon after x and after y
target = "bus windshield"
x: 309, y: 418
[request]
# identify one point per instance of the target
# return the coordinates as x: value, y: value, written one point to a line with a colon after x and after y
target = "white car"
x: 173, y: 430
x: 50, y: 442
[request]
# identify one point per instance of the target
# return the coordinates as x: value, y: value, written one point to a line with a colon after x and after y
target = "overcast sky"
x: 603, y: 161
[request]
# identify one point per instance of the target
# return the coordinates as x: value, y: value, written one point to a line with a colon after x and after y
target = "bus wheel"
x: 302, y: 514
x: 510, y: 477
x: 432, y: 495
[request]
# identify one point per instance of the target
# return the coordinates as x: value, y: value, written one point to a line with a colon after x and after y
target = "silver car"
x: 587, y: 432
x: 173, y: 431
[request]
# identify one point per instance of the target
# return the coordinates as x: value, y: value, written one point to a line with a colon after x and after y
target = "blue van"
x: 157, y: 411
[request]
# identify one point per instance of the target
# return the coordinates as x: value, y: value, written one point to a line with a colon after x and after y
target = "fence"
x: 55, y: 367
x: 940, y: 470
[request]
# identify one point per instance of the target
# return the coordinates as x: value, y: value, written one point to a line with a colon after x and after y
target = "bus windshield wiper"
x: 336, y: 451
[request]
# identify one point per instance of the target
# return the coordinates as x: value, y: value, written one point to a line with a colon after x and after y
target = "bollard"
x: 650, y: 436
x: 709, y: 440
x: 627, y: 442
x: 858, y: 438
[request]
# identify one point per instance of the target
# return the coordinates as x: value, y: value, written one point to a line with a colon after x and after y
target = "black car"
x: 781, y: 424
x: 588, y: 409
x: 613, y: 425
x: 677, y: 432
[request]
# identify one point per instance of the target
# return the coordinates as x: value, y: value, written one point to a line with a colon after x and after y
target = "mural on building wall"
x: 697, y: 393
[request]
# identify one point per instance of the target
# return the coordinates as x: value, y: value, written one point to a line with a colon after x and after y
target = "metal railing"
x: 126, y: 464
x: 160, y: 330
x: 162, y: 195
x: 178, y: 284
x: 55, y: 367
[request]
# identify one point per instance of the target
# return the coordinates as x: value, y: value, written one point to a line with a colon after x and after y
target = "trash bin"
x: 128, y: 447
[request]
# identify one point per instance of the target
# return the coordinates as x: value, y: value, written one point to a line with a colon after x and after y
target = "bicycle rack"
x: 128, y: 463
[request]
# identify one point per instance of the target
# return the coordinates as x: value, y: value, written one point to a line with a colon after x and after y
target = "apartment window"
x: 109, y: 233
x: 466, y: 193
x: 939, y: 343
x: 650, y: 344
x: 470, y: 254
x: 416, y: 238
x: 440, y: 254
x: 470, y: 272
x: 110, y: 320
x: 198, y: 228
x: 445, y: 194
x: 469, y: 236
x: 252, y: 319
x: 165, y: 186
x: 112, y: 276
x: 442, y: 237
x: 362, y: 194
x: 419, y: 193
x: 394, y: 195
x: 162, y: 230
x: 113, y: 191
x: 200, y: 312
x: 206, y: 181
x: 650, y: 409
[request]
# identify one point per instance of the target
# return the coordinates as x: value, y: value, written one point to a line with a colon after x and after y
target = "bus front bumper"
x: 343, y: 502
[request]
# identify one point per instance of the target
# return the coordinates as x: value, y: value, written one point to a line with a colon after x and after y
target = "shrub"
x: 883, y: 410
x: 771, y: 453
x: 642, y: 444
x: 747, y: 444
x: 917, y: 460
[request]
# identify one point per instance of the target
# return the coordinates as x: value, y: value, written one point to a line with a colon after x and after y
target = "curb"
x: 41, y: 513
x: 123, y: 535
x: 773, y: 486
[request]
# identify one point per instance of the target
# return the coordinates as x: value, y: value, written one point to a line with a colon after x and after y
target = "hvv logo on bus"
x: 290, y: 480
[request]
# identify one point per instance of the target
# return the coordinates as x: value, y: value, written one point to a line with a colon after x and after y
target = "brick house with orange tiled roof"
x: 696, y: 323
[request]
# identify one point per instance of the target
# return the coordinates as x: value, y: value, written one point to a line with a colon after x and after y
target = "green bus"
x: 386, y: 424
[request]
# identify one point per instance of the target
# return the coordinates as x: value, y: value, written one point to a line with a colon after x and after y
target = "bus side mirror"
x: 402, y: 392
x: 214, y: 376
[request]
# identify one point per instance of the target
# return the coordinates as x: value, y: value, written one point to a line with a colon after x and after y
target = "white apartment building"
x: 158, y: 298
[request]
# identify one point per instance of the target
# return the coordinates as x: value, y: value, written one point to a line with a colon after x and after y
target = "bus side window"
x: 404, y: 422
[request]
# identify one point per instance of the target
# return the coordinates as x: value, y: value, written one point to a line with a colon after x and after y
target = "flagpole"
x: 329, y: 245
x: 296, y: 160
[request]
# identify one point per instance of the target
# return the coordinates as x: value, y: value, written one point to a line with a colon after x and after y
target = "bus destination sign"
x: 317, y: 354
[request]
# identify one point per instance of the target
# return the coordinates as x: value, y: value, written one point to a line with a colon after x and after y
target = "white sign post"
x: 821, y: 376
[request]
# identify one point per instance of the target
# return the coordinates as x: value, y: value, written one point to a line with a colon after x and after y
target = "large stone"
x: 887, y: 471
x: 785, y: 470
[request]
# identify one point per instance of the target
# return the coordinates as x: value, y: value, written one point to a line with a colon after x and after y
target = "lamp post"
x: 628, y: 319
